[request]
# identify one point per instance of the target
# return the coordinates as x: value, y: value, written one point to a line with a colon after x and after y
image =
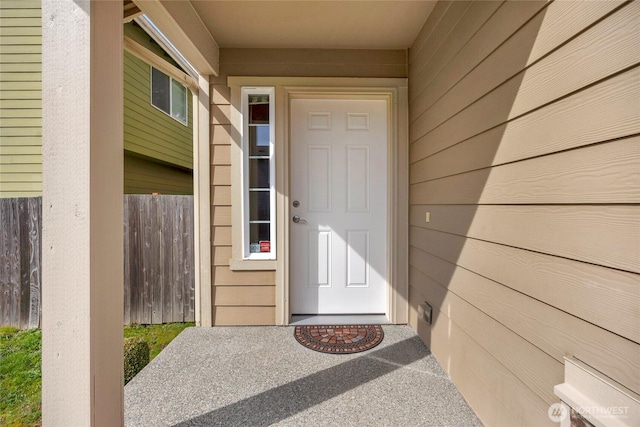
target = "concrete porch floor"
x: 259, y: 376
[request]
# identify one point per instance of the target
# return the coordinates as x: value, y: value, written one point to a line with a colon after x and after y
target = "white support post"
x: 82, y: 248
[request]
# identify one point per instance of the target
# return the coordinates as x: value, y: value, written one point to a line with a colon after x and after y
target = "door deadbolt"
x: 296, y: 203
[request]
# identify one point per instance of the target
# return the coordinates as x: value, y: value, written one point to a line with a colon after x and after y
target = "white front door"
x: 338, y: 196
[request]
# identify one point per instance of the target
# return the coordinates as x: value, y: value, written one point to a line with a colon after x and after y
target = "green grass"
x: 157, y: 336
x: 20, y: 371
x: 20, y: 377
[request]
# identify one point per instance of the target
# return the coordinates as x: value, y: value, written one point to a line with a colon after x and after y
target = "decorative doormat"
x: 343, y: 339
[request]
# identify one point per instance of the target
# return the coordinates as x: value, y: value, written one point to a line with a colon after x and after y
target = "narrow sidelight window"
x: 169, y: 95
x: 258, y: 117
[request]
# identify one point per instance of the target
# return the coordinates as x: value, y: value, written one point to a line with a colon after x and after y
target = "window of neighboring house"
x: 169, y: 95
x: 258, y: 173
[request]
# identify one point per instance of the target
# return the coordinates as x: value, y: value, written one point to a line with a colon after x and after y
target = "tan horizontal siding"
x: 518, y: 355
x: 240, y: 297
x: 497, y: 396
x: 220, y: 155
x: 221, y: 255
x: 221, y: 195
x: 604, y: 173
x: 221, y: 174
x: 601, y: 113
x: 244, y: 295
x: 243, y: 316
x: 571, y: 286
x: 221, y: 215
x: 525, y: 154
x: 20, y: 99
x: 612, y: 46
x: 552, y: 331
x: 467, y: 25
x: 611, y: 241
x: 221, y: 236
x: 226, y: 277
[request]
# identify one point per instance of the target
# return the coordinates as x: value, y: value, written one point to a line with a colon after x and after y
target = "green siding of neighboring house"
x: 20, y: 98
x: 149, y: 131
x: 160, y: 146
x: 143, y: 176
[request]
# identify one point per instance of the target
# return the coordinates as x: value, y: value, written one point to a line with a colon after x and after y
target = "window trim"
x: 171, y: 80
x: 246, y: 253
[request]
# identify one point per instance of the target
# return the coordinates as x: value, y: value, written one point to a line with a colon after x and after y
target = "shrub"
x: 136, y: 357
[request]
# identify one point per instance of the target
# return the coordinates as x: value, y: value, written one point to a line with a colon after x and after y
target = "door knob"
x: 297, y: 220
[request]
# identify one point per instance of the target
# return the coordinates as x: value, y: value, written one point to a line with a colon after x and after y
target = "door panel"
x: 358, y: 179
x: 339, y: 177
x: 319, y: 178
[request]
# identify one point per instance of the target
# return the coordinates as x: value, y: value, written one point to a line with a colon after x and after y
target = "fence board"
x: 167, y: 258
x: 134, y: 246
x: 155, y: 267
x: 35, y: 261
x: 188, y: 245
x: 14, y: 263
x: 178, y: 277
x: 4, y: 263
x: 145, y: 227
x: 127, y: 265
x: 23, y: 291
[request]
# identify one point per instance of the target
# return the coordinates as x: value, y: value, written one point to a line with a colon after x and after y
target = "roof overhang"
x: 180, y: 23
x: 198, y: 28
x: 344, y: 24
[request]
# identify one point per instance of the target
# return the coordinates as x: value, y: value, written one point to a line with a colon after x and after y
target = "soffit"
x: 346, y: 24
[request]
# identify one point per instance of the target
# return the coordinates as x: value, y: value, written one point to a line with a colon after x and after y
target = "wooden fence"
x: 158, y: 260
x: 20, y: 260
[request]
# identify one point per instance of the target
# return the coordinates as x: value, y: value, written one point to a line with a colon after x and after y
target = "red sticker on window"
x: 265, y: 246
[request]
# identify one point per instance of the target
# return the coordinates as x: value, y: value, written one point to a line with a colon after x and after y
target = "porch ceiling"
x: 345, y: 24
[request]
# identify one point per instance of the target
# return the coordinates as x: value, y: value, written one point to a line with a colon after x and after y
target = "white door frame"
x: 395, y: 92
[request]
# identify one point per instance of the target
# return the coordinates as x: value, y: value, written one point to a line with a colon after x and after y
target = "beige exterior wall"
x: 20, y: 99
x: 524, y: 119
x: 313, y: 62
x: 248, y: 297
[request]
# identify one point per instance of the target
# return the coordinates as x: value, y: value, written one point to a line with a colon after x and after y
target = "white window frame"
x: 247, y: 255
x: 171, y: 80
